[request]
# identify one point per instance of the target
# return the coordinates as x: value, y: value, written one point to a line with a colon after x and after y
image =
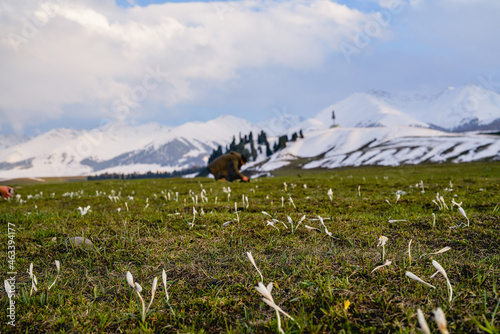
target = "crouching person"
x: 227, y: 167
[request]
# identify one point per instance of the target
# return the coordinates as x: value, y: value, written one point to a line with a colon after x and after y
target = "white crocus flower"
x: 409, y: 250
x: 421, y: 321
x: 416, y: 278
x: 463, y: 214
x: 138, y: 289
x: 387, y: 263
x: 300, y: 222
x: 271, y: 223
x: 34, y: 281
x: 441, y: 320
x: 268, y: 299
x: 58, y: 267
x: 441, y: 270
x: 164, y: 279
x: 381, y: 242
x: 236, y: 209
x: 442, y: 250
x: 330, y: 194
x: 250, y: 257
x: 83, y: 211
x: 397, y: 220
x: 153, y: 291
x: 324, y: 226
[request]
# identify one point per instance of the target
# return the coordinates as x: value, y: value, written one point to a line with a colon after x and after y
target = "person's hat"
x: 244, y: 158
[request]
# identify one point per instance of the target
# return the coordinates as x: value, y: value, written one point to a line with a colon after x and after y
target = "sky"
x: 83, y: 63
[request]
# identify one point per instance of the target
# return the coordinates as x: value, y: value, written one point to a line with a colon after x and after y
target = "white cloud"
x: 92, y: 53
x: 95, y: 54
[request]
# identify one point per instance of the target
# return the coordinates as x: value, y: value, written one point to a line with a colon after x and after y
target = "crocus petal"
x: 130, y: 279
x: 138, y: 287
x: 155, y: 285
x: 58, y: 266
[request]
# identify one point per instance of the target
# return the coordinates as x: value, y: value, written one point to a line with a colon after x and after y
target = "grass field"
x: 322, y: 278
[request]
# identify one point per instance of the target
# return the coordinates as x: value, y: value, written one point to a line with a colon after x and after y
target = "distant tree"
x: 262, y: 138
x: 294, y: 136
x: 301, y: 135
x: 268, y: 150
x: 282, y: 142
x: 253, y: 151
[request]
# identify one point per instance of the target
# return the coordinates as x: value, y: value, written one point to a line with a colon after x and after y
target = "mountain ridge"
x: 118, y: 146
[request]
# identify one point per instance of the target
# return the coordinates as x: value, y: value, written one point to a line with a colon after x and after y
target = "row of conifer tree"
x: 261, y: 141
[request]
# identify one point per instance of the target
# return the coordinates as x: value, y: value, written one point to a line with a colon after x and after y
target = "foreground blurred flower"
x: 268, y: 299
x: 83, y: 211
x: 422, y: 322
x: 441, y: 320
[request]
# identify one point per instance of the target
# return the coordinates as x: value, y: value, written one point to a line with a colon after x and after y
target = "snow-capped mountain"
x: 119, y: 147
x: 344, y: 147
x: 374, y: 128
x: 465, y: 108
x: 7, y: 141
x: 280, y: 124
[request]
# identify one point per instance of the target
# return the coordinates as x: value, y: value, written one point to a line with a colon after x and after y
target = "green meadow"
x: 317, y: 248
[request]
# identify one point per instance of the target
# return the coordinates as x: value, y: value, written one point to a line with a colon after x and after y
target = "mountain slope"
x: 348, y: 147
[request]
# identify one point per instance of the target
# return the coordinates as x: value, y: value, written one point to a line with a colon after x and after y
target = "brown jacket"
x: 226, y: 166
